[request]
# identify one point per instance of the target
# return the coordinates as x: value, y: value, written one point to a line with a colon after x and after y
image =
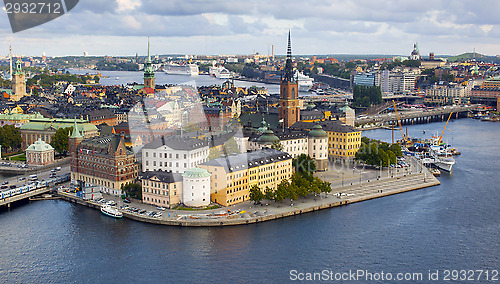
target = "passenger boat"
x: 305, y: 82
x: 178, y: 69
x: 111, y: 211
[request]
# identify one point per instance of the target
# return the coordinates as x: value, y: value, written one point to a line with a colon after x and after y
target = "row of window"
x: 157, y: 191
x: 177, y: 155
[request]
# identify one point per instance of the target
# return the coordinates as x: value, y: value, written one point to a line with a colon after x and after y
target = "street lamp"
x: 342, y: 179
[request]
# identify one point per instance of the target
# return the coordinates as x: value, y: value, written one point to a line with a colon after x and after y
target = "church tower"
x: 74, y: 140
x: 18, y: 83
x: 149, y: 73
x: 289, y: 111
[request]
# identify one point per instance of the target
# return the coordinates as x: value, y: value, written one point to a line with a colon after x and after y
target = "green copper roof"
x: 346, y: 107
x: 196, y: 173
x: 18, y: 69
x: 148, y: 66
x: 268, y: 137
x: 317, y: 132
x: 76, y: 133
x: 40, y: 124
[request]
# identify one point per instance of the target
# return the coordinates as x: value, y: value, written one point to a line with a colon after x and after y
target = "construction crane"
x: 399, y: 122
x: 442, y: 133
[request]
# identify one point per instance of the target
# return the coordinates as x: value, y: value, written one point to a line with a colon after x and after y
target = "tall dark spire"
x: 289, y: 50
x: 288, y: 66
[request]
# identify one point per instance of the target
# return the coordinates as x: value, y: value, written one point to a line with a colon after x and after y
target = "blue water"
x: 122, y: 78
x: 452, y: 226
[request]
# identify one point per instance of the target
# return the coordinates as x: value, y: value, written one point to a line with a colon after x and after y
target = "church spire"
x: 149, y: 51
x: 76, y: 133
x: 288, y: 65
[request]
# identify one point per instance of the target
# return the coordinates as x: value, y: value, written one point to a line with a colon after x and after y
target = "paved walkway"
x: 347, y: 189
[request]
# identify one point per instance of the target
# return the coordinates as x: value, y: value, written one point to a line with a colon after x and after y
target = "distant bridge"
x: 418, y: 116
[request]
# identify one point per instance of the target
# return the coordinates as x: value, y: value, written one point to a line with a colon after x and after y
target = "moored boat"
x: 111, y: 211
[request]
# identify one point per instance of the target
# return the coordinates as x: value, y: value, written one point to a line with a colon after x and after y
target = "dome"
x: 267, y: 137
x: 196, y: 173
x: 40, y: 146
x: 346, y: 107
x: 317, y: 132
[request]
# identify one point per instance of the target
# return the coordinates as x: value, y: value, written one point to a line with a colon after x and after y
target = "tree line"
x: 301, y: 184
x: 366, y: 96
x: 375, y: 152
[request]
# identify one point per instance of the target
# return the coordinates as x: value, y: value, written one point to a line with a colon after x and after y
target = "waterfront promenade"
x: 247, y: 212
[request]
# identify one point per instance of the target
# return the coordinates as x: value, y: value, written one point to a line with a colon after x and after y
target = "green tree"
x: 277, y: 145
x: 133, y: 190
x: 10, y: 137
x: 256, y: 194
x: 268, y: 193
x: 281, y: 191
x: 304, y: 164
x: 60, y: 140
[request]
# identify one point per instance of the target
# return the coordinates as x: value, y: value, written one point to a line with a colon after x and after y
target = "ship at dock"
x: 181, y: 69
x: 219, y: 72
x: 305, y: 82
x: 432, y: 152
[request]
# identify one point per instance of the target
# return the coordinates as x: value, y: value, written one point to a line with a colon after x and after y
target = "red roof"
x: 149, y: 90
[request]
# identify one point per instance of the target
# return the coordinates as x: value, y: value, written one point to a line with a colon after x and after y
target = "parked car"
x: 126, y: 200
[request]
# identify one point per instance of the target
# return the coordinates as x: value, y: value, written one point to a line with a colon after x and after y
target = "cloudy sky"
x: 121, y: 27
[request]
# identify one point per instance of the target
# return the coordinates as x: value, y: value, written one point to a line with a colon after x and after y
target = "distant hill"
x: 470, y: 55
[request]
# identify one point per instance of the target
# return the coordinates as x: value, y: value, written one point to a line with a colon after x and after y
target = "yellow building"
x: 343, y: 140
x: 233, y: 176
x: 161, y: 188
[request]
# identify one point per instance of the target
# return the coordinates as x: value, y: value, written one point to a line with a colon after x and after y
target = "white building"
x: 196, y: 187
x: 313, y: 143
x: 174, y: 154
x: 39, y: 153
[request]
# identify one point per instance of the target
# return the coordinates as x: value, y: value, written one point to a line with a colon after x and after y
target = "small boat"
x: 435, y: 172
x: 111, y: 211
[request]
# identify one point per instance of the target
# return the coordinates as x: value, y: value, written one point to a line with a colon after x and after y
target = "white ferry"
x: 178, y: 69
x: 111, y: 211
x: 305, y: 82
x: 219, y: 72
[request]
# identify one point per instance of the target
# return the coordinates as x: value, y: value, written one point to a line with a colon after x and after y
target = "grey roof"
x: 327, y: 125
x: 99, y: 114
x: 177, y: 143
x: 253, y: 159
x: 102, y: 144
x: 167, y: 177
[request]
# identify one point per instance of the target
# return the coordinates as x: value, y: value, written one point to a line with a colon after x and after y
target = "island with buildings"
x: 233, y: 155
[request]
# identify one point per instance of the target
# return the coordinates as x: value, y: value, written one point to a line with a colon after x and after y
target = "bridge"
x: 418, y: 116
x: 8, y: 200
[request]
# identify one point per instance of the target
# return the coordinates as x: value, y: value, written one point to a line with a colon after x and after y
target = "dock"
x: 340, y: 196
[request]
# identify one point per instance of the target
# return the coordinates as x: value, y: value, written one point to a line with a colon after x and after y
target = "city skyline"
x: 208, y: 28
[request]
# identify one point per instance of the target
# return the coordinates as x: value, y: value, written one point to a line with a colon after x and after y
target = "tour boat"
x: 111, y: 211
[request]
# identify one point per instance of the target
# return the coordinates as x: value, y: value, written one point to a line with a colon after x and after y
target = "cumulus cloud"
x: 322, y: 24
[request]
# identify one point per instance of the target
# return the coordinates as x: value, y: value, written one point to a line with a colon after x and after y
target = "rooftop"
x: 253, y: 159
